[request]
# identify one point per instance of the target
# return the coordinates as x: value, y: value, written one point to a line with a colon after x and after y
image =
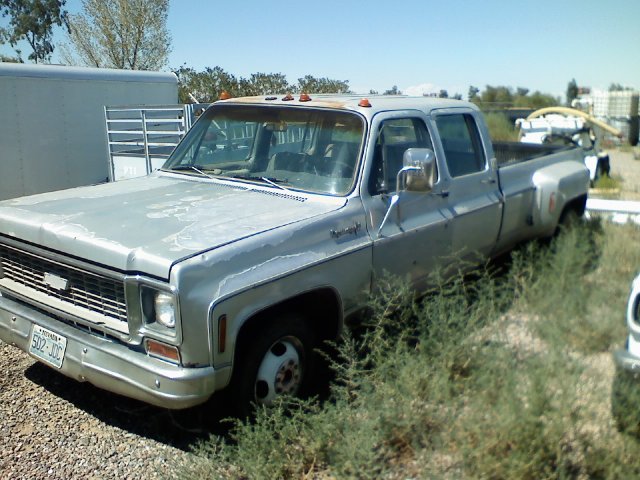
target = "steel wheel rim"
x: 280, y: 372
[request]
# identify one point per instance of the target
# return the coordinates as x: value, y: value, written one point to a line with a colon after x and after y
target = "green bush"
x: 483, y: 377
x: 500, y: 128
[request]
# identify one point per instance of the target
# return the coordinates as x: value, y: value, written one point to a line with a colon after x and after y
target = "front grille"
x: 83, y: 289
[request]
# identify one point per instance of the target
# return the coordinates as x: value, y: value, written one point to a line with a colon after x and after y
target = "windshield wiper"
x: 195, y: 168
x: 274, y: 182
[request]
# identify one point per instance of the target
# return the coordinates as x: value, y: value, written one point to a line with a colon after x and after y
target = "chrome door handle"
x: 488, y: 181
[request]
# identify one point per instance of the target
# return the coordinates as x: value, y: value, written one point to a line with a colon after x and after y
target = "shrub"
x: 500, y: 128
x: 483, y: 377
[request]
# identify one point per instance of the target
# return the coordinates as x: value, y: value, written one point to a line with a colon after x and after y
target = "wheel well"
x: 577, y: 204
x: 320, y: 308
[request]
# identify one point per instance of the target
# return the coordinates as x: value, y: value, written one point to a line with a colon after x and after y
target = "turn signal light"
x: 364, y: 103
x: 222, y: 333
x: 162, y: 350
x: 224, y: 95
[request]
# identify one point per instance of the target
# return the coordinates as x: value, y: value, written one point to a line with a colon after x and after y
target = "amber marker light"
x: 222, y: 333
x: 364, y: 103
x: 224, y: 95
x: 162, y: 351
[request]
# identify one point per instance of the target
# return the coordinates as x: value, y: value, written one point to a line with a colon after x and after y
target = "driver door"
x: 415, y: 239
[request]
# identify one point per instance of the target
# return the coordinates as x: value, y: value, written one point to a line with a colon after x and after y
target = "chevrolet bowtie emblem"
x: 56, y: 282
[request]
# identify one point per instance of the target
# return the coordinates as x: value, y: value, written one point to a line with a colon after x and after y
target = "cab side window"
x: 461, y: 143
x: 394, y: 137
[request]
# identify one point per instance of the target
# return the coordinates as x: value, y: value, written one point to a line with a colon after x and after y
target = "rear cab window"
x: 461, y: 143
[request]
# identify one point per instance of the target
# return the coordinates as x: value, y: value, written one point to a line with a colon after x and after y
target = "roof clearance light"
x: 304, y: 97
x: 224, y: 95
x: 287, y: 98
x: 364, y: 103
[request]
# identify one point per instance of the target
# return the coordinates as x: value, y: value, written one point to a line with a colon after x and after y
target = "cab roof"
x: 378, y: 103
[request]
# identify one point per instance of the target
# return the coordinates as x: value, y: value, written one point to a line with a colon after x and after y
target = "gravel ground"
x: 54, y: 427
x: 626, y: 168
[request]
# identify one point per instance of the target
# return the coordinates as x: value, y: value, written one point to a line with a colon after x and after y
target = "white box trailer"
x: 52, y: 122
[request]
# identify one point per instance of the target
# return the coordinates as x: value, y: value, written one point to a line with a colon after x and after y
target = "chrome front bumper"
x: 111, y: 365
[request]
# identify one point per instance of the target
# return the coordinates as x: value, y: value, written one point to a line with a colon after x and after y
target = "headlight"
x: 165, y: 309
x: 159, y: 307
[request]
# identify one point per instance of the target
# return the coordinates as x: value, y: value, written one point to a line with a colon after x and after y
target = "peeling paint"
x: 151, y: 235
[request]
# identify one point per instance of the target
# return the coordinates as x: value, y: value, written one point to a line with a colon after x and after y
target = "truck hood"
x: 148, y: 224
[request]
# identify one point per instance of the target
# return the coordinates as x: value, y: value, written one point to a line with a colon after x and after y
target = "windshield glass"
x: 292, y: 148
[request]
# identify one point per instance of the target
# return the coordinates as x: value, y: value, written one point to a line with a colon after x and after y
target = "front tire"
x: 274, y: 360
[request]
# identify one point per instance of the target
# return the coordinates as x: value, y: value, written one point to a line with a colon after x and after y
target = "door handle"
x: 488, y: 181
x: 442, y: 193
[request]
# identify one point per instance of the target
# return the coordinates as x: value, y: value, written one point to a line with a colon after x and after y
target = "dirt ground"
x: 626, y: 169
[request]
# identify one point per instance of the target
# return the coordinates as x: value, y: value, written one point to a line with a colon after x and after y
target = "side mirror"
x: 418, y: 172
x: 417, y: 175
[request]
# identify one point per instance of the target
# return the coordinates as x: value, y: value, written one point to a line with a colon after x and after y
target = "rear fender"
x: 556, y: 186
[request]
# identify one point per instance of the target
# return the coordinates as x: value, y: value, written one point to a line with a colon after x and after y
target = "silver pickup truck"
x: 267, y: 228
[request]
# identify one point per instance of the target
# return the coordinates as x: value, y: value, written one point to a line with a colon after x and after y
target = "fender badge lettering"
x: 56, y: 282
x: 352, y: 229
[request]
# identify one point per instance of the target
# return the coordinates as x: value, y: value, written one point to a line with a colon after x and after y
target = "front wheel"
x: 276, y: 360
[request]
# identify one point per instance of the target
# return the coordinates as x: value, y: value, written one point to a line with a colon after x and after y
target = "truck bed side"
x: 536, y: 190
x: 508, y: 153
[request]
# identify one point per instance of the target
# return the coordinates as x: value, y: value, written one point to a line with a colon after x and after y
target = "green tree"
x: 206, y: 86
x: 7, y: 59
x: 32, y: 21
x: 264, y: 83
x: 572, y: 91
x: 392, y: 91
x: 311, y: 84
x: 443, y: 94
x: 126, y: 34
x: 617, y: 87
x: 499, y: 96
x: 472, y: 96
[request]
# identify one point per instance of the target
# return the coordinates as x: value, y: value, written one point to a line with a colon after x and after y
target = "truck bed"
x: 524, y: 170
x: 508, y: 153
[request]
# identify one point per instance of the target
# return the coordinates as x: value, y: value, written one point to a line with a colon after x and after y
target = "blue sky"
x: 420, y: 46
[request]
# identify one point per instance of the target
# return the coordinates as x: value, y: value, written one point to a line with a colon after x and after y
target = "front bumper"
x: 111, y: 365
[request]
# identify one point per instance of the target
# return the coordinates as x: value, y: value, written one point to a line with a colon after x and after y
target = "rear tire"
x: 569, y: 219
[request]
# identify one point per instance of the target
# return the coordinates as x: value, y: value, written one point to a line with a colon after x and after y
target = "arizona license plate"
x: 47, y: 346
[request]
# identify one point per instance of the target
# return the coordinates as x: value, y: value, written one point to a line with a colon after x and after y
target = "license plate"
x: 48, y: 346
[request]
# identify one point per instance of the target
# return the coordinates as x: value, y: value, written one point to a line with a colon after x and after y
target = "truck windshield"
x: 305, y: 149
